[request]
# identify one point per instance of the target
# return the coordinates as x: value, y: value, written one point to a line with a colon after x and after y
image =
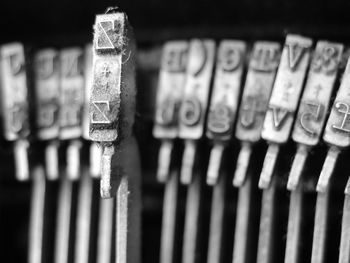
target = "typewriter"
x: 175, y: 132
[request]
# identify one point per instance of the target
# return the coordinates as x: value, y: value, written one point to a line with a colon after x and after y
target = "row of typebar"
x: 287, y: 92
x: 43, y: 97
x: 55, y: 85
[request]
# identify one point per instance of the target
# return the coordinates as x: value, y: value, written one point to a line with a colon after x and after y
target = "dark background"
x: 67, y: 20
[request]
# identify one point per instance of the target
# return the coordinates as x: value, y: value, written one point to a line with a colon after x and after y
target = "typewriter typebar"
x: 336, y: 133
x: 257, y: 89
x: 276, y: 130
x: 46, y: 80
x: 307, y: 132
x: 112, y: 114
x: 314, y: 104
x: 47, y: 93
x: 70, y: 119
x: 284, y: 100
x: 259, y: 82
x: 193, y: 109
x: 224, y: 101
x: 112, y: 90
x: 169, y: 96
x: 15, y: 104
x: 72, y: 103
x: 251, y: 125
x: 170, y: 91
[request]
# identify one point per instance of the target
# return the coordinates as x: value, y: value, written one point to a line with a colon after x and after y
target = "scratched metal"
x: 171, y: 85
x: 195, y: 101
x: 287, y: 89
x: 337, y: 131
x: 224, y: 101
x: 47, y: 93
x: 314, y: 104
x: 257, y: 90
x: 226, y: 89
x: 317, y: 93
x: 71, y: 93
x: 113, y: 83
x: 14, y: 91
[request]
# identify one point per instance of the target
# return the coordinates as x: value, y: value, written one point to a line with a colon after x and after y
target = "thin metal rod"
x: 191, y: 231
x: 63, y: 221
x: 240, y: 250
x: 169, y: 219
x: 320, y: 227
x: 294, y: 225
x: 122, y: 221
x: 267, y: 218
x: 344, y: 253
x: 83, y: 223
x: 105, y: 231
x: 216, y: 221
x: 36, y: 224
